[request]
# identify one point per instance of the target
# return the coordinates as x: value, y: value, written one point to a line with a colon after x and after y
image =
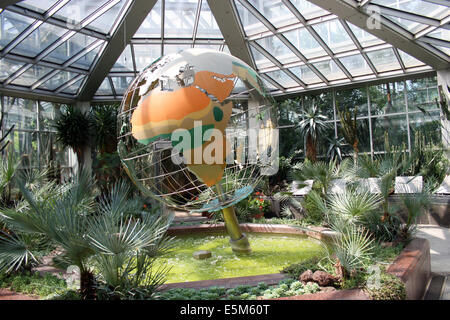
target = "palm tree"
x: 73, y: 129
x: 311, y: 125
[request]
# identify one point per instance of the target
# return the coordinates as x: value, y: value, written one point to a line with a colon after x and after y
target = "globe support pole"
x: 238, y: 241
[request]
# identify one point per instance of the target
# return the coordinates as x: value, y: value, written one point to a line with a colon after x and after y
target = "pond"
x: 270, y: 254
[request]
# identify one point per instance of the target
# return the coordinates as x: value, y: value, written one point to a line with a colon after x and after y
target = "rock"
x: 323, y: 278
x: 306, y: 276
x: 387, y: 244
x: 202, y: 254
x: 327, y: 289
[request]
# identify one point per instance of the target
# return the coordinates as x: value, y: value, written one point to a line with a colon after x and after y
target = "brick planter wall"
x: 413, y: 267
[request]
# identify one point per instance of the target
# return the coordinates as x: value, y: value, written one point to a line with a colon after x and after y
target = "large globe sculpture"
x: 197, y: 131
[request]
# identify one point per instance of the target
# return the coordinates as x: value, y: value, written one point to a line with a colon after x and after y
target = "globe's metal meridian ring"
x: 199, y: 91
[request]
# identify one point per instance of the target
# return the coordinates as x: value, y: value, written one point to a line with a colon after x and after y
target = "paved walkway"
x: 439, y: 238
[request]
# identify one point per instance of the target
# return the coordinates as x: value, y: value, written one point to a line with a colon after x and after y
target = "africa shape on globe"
x: 196, y: 130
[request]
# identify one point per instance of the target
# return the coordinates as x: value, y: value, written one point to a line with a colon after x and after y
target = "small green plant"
x: 285, y: 288
x: 391, y: 288
x: 34, y: 283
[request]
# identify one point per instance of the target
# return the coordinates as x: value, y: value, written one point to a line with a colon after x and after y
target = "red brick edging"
x: 413, y: 267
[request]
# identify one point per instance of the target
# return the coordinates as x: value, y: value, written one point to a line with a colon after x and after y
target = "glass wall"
x: 398, y: 110
x: 33, y: 138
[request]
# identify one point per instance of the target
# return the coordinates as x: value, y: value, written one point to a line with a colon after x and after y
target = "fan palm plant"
x: 122, y: 248
x: 352, y: 249
x: 351, y: 205
x: 311, y: 125
x: 321, y: 172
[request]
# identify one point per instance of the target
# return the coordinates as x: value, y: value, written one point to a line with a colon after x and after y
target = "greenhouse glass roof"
x: 87, y: 50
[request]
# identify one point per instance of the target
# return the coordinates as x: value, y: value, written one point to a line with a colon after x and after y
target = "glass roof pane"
x: 77, y: 10
x: 250, y: 23
x: 277, y: 49
x: 38, y: 40
x: 305, y: 74
x: 207, y: 25
x: 356, y: 65
x: 179, y: 18
x: 330, y: 70
x: 334, y: 35
x: 69, y: 48
x: 32, y: 75
x: 305, y: 43
x: 268, y: 85
x: 74, y: 87
x: 409, y: 25
x: 207, y: 46
x: 440, y: 33
x: 308, y: 9
x: 446, y: 50
x: 275, y: 11
x: 424, y: 8
x: 12, y: 24
x: 145, y: 54
x: 121, y: 84
x: 174, y: 48
x: 58, y: 80
x: 409, y: 61
x: 260, y: 60
x: 282, y: 78
x: 151, y: 26
x: 125, y: 61
x: 384, y: 60
x: 105, y: 22
x: 364, y: 38
x: 40, y: 6
x: 86, y: 61
x: 8, y: 67
x: 104, y: 89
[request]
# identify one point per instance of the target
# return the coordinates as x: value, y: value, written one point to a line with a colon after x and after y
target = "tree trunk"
x: 87, y: 282
x: 311, y: 152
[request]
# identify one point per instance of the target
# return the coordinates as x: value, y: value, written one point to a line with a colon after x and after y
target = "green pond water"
x: 270, y: 253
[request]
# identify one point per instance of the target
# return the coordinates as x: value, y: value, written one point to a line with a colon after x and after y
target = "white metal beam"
x: 229, y: 25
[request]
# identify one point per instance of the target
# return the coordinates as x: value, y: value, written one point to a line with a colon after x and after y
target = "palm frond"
x: 15, y: 251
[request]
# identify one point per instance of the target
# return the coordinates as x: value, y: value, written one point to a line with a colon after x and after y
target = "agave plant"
x: 336, y: 149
